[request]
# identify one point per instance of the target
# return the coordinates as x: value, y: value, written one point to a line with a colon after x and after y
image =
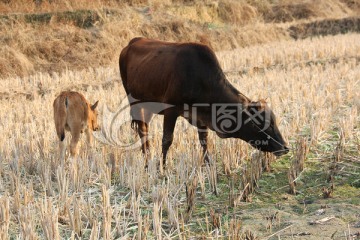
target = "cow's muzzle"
x: 281, y: 152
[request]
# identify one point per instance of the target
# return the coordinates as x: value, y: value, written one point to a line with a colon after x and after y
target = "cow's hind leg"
x: 203, y: 134
x: 141, y: 119
x: 170, y: 116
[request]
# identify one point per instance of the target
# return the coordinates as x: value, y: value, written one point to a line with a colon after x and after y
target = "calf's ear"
x: 94, y: 105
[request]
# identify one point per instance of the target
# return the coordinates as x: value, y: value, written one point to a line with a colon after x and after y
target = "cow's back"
x: 77, y: 107
x: 174, y: 73
x: 70, y: 110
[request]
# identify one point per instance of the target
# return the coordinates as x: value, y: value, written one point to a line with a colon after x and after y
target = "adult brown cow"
x: 72, y: 112
x: 187, y: 78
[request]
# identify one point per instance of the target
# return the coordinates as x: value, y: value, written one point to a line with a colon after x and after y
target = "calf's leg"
x: 89, y: 137
x: 89, y: 141
x: 62, y: 150
x: 75, y: 136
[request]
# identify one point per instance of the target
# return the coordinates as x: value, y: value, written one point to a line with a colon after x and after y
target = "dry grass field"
x: 312, y: 84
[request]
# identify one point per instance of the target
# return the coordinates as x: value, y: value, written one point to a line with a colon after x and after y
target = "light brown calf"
x: 72, y: 112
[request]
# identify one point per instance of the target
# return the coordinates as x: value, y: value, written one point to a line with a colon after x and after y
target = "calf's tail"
x: 60, y: 115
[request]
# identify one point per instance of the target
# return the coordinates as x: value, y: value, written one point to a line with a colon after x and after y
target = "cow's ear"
x: 262, y: 103
x: 94, y: 105
x: 259, y: 105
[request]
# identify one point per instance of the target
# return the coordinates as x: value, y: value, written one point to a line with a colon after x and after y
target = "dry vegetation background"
x: 51, y: 35
x: 303, y: 56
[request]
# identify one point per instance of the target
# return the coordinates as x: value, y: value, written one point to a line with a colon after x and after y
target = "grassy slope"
x: 66, y: 34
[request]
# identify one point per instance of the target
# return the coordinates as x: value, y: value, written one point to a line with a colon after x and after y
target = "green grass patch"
x: 346, y: 191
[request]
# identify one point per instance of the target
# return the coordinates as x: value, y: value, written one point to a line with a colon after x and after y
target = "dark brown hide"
x: 186, y: 76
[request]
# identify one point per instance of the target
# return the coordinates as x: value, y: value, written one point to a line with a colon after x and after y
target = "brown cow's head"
x: 92, y: 119
x: 260, y: 129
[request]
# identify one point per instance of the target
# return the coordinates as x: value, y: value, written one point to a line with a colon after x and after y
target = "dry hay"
x: 325, y: 27
x: 50, y: 36
x: 107, y: 193
x: 287, y: 11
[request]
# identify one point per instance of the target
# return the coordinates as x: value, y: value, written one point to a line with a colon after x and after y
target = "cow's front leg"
x: 89, y: 137
x: 203, y: 134
x: 170, y: 117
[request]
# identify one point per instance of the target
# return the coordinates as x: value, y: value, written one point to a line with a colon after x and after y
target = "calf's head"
x: 92, y: 117
x: 260, y: 129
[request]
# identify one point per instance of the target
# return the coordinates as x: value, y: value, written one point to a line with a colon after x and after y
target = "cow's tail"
x: 60, y: 116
